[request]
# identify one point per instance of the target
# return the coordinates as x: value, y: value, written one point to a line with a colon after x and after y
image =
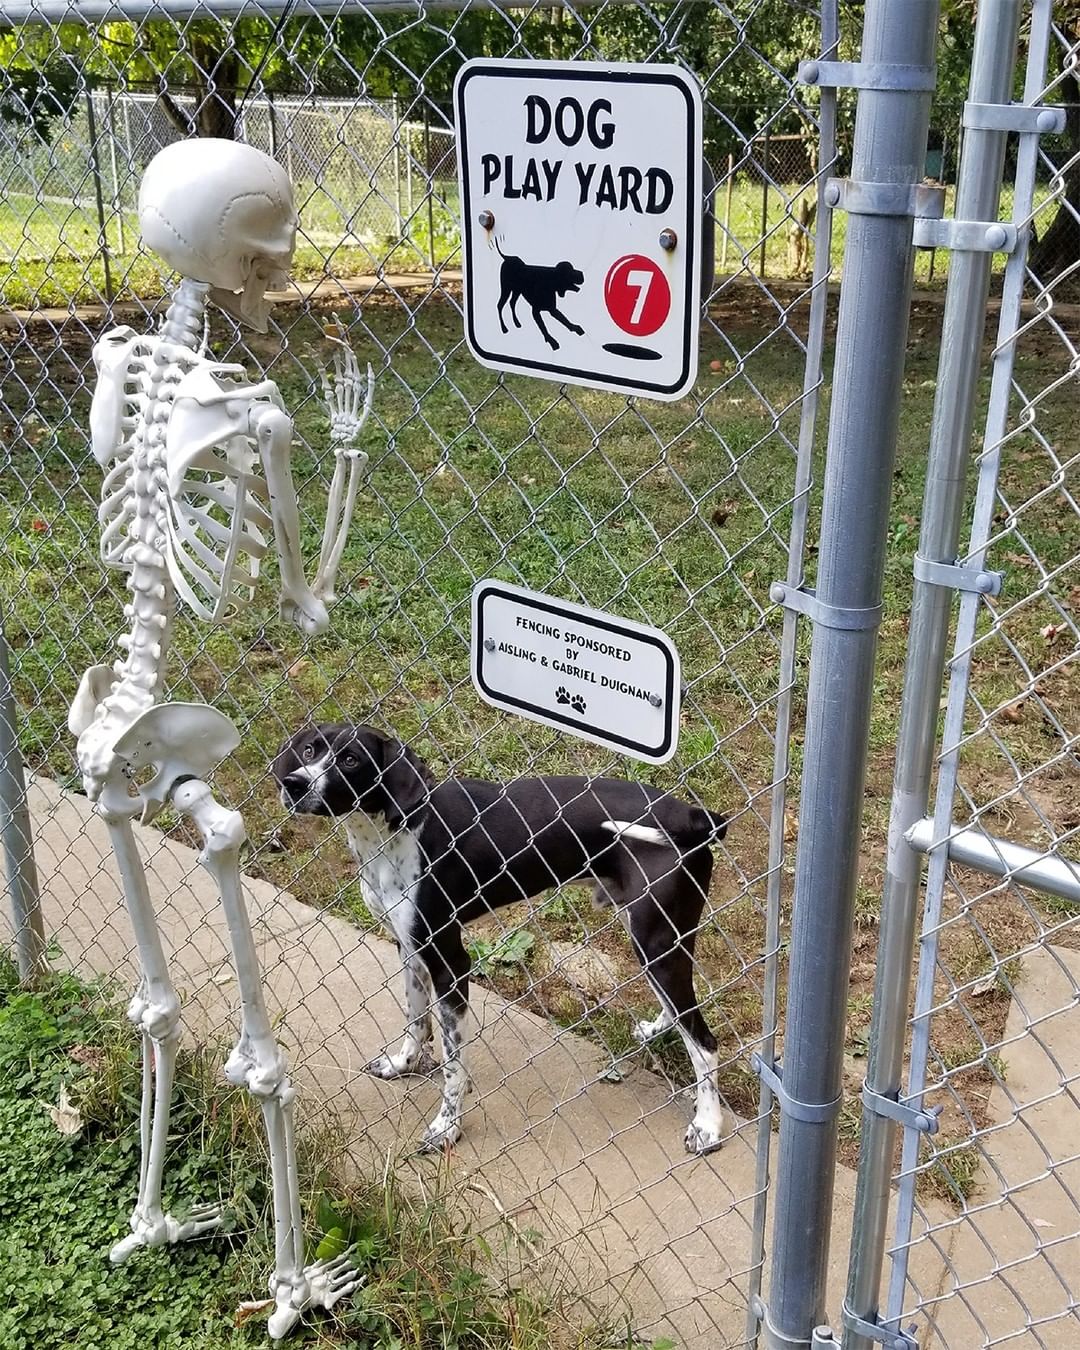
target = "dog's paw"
x: 578, y: 705
x: 562, y: 695
x: 552, y: 344
x: 399, y: 1066
x: 575, y: 328
x: 702, y: 1139
x: 644, y: 1031
x: 441, y: 1134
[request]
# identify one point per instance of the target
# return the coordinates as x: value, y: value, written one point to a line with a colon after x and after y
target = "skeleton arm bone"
x: 348, y: 405
x: 272, y: 429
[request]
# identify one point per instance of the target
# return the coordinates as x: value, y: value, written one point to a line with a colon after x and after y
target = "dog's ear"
x: 405, y: 782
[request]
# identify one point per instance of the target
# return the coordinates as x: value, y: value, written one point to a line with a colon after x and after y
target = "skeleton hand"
x: 306, y: 612
x: 347, y: 402
x: 347, y: 415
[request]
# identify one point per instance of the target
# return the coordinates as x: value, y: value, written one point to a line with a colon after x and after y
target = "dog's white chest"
x: 389, y: 865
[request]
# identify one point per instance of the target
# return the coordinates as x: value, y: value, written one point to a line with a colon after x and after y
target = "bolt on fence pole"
x: 887, y: 161
x: 977, y: 199
x: 22, y: 880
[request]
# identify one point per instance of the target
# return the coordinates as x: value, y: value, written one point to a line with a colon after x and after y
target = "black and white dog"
x: 433, y: 856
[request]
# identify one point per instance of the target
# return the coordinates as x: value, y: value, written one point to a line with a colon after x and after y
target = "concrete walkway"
x: 590, y: 1174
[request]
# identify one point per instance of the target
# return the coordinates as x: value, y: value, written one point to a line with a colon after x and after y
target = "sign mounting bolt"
x: 668, y: 240
x: 487, y: 219
x: 489, y: 644
x: 656, y: 700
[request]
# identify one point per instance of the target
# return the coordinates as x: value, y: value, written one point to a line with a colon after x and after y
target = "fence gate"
x: 980, y: 1077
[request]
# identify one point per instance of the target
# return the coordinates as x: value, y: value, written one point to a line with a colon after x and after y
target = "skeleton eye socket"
x: 309, y: 752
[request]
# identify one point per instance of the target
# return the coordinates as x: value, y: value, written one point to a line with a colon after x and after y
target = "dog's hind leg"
x: 667, y: 957
x: 448, y: 965
x: 506, y: 293
x: 415, y: 1054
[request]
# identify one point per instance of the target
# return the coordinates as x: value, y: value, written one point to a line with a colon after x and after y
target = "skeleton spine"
x: 141, y: 672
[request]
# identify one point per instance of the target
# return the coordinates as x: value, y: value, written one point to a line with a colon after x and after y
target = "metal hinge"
x: 968, y: 236
x: 1018, y: 117
x: 958, y: 578
x: 867, y: 75
x: 923, y: 1119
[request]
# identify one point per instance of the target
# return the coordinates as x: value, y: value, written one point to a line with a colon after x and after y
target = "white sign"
x: 581, y: 200
x: 606, y: 679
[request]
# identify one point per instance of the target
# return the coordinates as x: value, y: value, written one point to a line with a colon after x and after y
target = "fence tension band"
x: 816, y: 1113
x: 956, y: 577
x: 1019, y: 117
x: 803, y: 600
x: 924, y: 1119
x: 890, y: 1337
x: 968, y: 236
x: 867, y: 75
x: 859, y: 198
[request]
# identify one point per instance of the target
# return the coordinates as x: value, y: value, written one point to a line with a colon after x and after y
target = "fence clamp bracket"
x: 816, y: 1113
x: 890, y: 1337
x: 803, y: 600
x: 965, y: 236
x: 1019, y: 117
x: 958, y: 578
x: 867, y: 75
x: 923, y: 1119
x: 859, y: 198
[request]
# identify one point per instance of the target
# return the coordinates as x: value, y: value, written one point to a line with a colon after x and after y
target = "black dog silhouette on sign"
x: 541, y: 288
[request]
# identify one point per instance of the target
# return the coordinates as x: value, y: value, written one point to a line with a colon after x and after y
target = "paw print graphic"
x: 575, y: 701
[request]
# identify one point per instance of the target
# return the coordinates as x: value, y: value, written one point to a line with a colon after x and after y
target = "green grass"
x: 65, y: 1198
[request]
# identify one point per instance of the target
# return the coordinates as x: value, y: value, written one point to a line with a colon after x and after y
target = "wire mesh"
x: 678, y: 516
x: 989, y: 1206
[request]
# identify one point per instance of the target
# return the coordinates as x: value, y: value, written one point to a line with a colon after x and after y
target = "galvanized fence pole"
x: 977, y: 200
x: 896, y: 76
x: 22, y: 879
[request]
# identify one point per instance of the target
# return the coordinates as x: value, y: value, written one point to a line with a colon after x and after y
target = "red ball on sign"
x: 637, y: 294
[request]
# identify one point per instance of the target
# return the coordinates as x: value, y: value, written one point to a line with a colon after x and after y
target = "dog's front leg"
x: 449, y: 969
x: 415, y: 1054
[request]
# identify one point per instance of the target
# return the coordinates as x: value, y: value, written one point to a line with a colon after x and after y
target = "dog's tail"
x: 695, y: 828
x: 495, y: 241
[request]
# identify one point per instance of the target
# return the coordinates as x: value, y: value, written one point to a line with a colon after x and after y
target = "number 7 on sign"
x: 637, y: 295
x: 642, y: 281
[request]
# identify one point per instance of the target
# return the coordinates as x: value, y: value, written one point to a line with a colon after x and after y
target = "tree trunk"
x: 216, y: 75
x: 1058, y: 247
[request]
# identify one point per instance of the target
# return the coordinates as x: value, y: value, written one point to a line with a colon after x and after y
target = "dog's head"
x: 332, y: 768
x: 568, y: 278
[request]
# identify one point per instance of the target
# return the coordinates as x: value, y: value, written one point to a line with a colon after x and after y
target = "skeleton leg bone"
x: 258, y: 1064
x: 155, y: 1011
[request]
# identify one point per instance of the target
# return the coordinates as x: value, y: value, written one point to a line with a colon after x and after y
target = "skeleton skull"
x: 221, y: 212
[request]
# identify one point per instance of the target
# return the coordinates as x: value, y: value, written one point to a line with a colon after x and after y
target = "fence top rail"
x: 96, y: 11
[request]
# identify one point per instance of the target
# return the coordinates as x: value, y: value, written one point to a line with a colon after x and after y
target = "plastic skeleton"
x: 198, y: 482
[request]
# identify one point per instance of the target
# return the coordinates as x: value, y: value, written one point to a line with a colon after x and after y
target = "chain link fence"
x: 678, y: 516
x: 681, y: 516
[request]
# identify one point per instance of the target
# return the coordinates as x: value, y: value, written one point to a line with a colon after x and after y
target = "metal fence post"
x: 977, y: 199
x: 95, y: 166
x: 886, y: 165
x: 22, y: 877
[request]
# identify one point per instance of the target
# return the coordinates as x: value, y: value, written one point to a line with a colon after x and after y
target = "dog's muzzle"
x: 296, y: 788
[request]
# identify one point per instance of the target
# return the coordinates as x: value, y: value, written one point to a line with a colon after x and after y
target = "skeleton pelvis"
x: 95, y: 685
x: 178, y: 741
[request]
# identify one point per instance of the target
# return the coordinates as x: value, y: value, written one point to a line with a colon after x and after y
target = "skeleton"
x: 197, y: 485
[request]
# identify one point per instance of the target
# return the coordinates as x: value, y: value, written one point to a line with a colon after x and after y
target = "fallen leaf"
x: 1012, y: 712
x: 297, y: 668
x: 250, y: 1308
x: 66, y: 1116
x: 1053, y: 631
x: 986, y: 985
x: 90, y: 1056
x: 1041, y: 1223
x: 39, y: 526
